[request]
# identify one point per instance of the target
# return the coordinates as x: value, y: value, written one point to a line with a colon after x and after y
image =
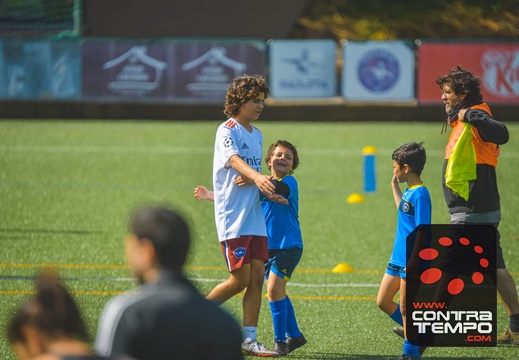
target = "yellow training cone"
x: 355, y: 198
x: 342, y: 268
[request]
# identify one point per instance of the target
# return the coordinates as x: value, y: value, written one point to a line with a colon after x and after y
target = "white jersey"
x: 237, y: 209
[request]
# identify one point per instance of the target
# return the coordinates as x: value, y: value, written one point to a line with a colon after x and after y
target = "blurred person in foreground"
x: 165, y: 317
x: 49, y: 326
x: 469, y: 172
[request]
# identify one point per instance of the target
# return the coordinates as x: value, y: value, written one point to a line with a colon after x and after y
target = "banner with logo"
x: 167, y: 71
x: 204, y: 70
x: 39, y: 69
x: 302, y: 68
x: 126, y: 70
x: 451, y: 293
x: 378, y: 71
x: 497, y: 64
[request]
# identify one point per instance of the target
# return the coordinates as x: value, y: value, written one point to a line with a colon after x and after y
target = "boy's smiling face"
x: 281, y: 161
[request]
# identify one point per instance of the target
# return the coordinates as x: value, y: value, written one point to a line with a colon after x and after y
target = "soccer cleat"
x: 508, y: 337
x: 399, y: 331
x: 281, y: 348
x: 255, y: 348
x: 295, y: 343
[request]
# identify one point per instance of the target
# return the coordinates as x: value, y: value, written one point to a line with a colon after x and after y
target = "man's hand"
x: 461, y: 114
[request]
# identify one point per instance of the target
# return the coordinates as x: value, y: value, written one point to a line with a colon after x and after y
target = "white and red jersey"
x: 237, y: 208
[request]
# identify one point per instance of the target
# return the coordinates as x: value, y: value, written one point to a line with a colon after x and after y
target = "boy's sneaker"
x: 281, y: 348
x: 295, y: 343
x: 255, y: 348
x: 508, y: 337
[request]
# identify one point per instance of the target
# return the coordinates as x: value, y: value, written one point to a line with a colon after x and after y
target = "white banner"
x: 378, y: 71
x: 302, y: 68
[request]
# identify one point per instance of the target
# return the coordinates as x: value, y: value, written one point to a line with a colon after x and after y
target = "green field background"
x: 67, y: 187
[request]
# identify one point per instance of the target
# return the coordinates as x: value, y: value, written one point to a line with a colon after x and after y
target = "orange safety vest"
x: 486, y: 152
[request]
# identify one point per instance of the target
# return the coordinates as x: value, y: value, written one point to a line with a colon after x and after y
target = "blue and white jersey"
x: 414, y: 209
x: 283, y: 228
x: 237, y: 208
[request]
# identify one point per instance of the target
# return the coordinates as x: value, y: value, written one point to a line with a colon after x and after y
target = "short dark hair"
x: 287, y: 145
x: 461, y: 81
x: 412, y: 154
x: 243, y: 89
x: 52, y: 311
x: 168, y: 232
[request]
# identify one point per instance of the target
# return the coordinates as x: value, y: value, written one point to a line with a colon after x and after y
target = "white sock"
x: 249, y: 333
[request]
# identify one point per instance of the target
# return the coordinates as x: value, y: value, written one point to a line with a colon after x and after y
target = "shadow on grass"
x: 376, y: 357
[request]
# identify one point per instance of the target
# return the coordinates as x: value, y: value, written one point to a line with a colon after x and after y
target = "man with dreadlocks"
x: 473, y: 149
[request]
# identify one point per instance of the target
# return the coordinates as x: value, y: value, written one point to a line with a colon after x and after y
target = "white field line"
x: 190, y: 150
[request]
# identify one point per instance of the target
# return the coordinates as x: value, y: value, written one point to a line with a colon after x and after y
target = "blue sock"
x: 411, y: 349
x: 397, y: 316
x: 292, y: 328
x: 278, y: 310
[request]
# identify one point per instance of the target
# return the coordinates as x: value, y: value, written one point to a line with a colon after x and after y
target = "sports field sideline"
x: 66, y: 188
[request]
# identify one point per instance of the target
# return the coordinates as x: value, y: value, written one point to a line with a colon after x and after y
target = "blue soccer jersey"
x: 283, y: 228
x: 414, y: 209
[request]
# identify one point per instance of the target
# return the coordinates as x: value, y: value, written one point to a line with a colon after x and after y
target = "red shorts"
x: 238, y: 252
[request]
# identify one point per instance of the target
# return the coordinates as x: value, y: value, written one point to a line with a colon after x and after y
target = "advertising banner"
x: 167, y: 71
x: 126, y: 70
x: 39, y: 69
x: 302, y: 68
x: 497, y: 64
x: 451, y: 293
x: 203, y: 71
x: 378, y: 71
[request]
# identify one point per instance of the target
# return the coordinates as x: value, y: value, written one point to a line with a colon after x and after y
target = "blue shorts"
x: 283, y: 262
x: 395, y: 270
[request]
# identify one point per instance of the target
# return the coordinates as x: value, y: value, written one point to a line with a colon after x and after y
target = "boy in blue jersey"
x: 285, y: 242
x: 285, y: 245
x: 414, y: 208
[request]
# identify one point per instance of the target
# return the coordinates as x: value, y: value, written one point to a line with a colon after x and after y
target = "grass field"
x: 66, y: 188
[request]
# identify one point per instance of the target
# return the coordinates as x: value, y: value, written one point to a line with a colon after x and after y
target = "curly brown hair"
x: 243, y: 89
x: 285, y: 144
x: 461, y: 81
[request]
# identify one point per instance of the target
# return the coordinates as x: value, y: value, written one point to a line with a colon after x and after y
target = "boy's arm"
x: 202, y: 193
x: 397, y: 193
x: 262, y: 181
